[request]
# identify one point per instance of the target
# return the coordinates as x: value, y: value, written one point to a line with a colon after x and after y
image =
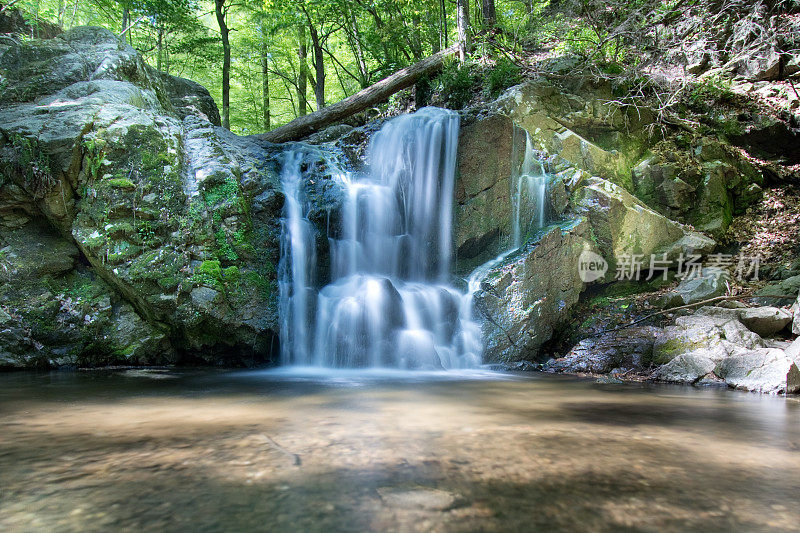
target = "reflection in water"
x: 385, y: 451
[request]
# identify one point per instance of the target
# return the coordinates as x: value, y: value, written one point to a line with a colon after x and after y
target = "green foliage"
x: 457, y: 84
x: 119, y: 183
x: 211, y: 274
x: 500, y: 77
x: 221, y: 192
x: 224, y: 248
x: 93, y: 150
x: 712, y: 89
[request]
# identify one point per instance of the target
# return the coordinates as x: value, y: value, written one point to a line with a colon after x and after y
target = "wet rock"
x: 524, y: 297
x: 767, y: 370
x: 486, y: 159
x: 627, y: 349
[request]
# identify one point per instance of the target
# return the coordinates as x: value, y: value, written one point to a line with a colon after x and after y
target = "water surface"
x: 298, y: 450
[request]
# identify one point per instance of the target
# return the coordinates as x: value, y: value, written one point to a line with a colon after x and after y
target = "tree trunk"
x: 126, y: 16
x: 160, y: 48
x: 302, y: 80
x: 489, y: 14
x: 219, y: 8
x: 462, y: 17
x: 443, y: 26
x: 319, y: 69
x: 303, y: 126
x: 265, y: 78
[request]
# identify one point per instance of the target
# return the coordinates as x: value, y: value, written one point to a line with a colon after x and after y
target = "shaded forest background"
x: 267, y: 62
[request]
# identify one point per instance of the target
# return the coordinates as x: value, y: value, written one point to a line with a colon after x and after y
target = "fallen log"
x: 374, y: 94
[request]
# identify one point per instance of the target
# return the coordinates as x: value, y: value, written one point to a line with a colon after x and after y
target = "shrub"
x: 504, y: 74
x: 458, y: 83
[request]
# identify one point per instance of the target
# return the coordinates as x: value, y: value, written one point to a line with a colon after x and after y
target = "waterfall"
x: 389, y: 302
x: 528, y: 196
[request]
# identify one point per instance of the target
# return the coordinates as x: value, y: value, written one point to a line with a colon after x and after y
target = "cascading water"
x: 529, y: 212
x: 528, y: 196
x: 389, y: 303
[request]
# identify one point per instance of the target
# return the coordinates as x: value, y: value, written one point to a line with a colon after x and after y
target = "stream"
x: 313, y: 450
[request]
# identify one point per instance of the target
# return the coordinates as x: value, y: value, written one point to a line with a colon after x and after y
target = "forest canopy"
x: 267, y: 62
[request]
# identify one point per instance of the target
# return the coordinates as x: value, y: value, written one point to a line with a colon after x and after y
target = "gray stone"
x: 767, y: 370
x: 779, y: 293
x: 793, y: 351
x: 709, y: 284
x: 685, y: 368
x: 765, y: 321
x: 625, y: 349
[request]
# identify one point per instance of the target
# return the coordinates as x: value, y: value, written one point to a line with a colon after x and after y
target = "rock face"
x: 705, y: 284
x: 526, y: 295
x: 486, y: 161
x: 160, y: 228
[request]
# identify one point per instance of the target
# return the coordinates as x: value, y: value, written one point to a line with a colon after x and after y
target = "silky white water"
x: 389, y: 302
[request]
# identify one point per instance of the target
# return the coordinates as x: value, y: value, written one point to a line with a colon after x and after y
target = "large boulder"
x: 130, y: 168
x: 766, y: 321
x: 624, y: 350
x: 526, y: 295
x: 489, y: 150
x: 625, y: 228
x: 767, y: 370
x: 561, y: 123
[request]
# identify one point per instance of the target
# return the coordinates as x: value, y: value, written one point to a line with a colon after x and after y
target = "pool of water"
x: 296, y: 449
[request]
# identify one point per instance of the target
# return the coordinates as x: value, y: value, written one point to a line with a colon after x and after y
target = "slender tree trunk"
x: 489, y: 14
x: 416, y: 37
x: 126, y: 17
x: 219, y: 8
x: 302, y: 80
x: 443, y: 27
x: 160, y: 48
x: 319, y: 68
x: 265, y: 78
x: 462, y: 17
